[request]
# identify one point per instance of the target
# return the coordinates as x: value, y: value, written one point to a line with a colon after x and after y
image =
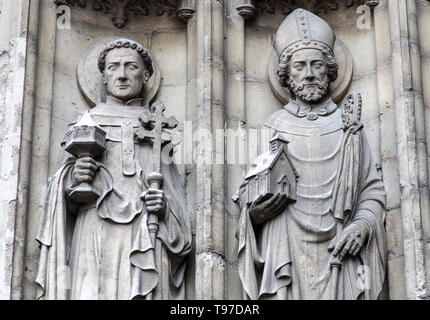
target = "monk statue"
x: 96, y: 241
x: 327, y: 240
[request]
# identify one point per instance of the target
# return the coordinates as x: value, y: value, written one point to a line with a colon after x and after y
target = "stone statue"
x: 96, y: 238
x: 326, y: 241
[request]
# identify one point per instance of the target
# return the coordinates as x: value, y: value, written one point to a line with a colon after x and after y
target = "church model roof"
x: 267, y: 160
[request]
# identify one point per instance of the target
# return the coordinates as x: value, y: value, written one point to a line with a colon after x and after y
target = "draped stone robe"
x: 288, y: 257
x: 103, y: 250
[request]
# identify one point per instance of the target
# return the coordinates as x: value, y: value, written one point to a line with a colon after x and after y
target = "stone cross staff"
x: 153, y: 122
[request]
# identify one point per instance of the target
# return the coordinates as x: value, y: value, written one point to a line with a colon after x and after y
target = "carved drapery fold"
x: 249, y: 8
x: 122, y: 10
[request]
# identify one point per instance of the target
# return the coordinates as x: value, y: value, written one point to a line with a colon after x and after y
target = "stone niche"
x: 375, y: 65
x: 260, y: 101
x: 161, y: 32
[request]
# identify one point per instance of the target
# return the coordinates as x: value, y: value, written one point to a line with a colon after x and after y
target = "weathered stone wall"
x: 18, y: 22
x: 423, y: 17
x: 214, y: 74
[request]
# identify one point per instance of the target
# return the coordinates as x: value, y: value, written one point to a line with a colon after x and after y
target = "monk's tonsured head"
x: 126, y: 67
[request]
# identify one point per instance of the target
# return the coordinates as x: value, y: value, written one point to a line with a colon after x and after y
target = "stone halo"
x: 90, y: 81
x: 338, y: 88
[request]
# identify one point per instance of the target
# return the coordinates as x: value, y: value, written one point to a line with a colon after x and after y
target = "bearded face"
x: 308, y: 76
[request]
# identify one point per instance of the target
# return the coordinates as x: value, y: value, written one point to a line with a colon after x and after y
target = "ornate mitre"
x: 302, y: 30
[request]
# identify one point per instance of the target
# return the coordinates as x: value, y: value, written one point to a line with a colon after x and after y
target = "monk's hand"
x: 84, y: 170
x: 156, y: 202
x: 352, y: 240
x: 267, y: 207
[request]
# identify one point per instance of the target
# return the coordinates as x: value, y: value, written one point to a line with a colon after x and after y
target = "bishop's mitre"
x: 302, y: 30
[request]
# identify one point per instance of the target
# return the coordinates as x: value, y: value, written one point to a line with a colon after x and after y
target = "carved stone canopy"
x: 249, y: 8
x: 122, y: 10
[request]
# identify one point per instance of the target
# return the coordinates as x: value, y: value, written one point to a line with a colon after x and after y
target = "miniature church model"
x: 272, y: 172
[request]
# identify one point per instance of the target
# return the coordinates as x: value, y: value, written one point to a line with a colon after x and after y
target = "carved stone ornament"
x: 249, y: 8
x: 122, y: 10
x: 424, y: 3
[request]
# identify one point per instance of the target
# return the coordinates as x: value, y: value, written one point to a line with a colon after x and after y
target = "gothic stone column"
x: 18, y: 22
x: 411, y: 142
x: 210, y: 257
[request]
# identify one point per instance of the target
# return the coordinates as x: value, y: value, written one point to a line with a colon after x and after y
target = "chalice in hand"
x: 85, y: 139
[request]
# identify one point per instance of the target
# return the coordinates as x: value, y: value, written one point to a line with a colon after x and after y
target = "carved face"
x: 125, y: 73
x: 309, y: 75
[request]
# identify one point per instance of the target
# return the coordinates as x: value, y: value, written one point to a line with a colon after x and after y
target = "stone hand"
x: 352, y: 240
x: 265, y: 208
x: 156, y: 202
x: 84, y: 170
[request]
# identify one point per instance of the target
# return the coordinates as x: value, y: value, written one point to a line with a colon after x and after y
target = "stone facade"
x: 213, y: 62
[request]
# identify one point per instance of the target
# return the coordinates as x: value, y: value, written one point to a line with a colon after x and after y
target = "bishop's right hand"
x: 266, y: 207
x: 84, y: 170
